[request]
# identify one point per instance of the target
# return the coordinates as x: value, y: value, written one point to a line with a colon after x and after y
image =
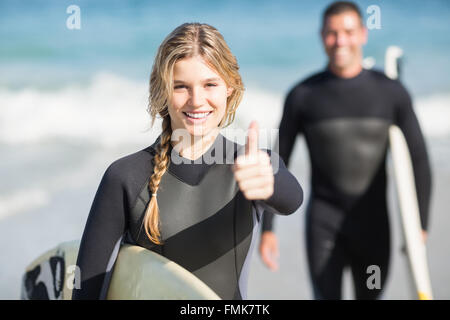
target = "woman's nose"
x: 197, y: 97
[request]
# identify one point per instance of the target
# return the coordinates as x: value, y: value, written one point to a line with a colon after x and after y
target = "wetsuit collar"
x: 219, y: 140
x: 334, y: 76
x: 193, y: 171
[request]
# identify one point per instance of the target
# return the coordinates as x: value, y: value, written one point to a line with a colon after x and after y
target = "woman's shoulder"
x: 132, y: 166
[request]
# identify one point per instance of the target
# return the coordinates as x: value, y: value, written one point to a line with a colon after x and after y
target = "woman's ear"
x: 229, y: 91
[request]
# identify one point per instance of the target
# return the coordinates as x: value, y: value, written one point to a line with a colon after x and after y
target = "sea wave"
x: 111, y: 110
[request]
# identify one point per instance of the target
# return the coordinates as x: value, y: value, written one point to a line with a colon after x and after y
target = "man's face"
x: 343, y: 36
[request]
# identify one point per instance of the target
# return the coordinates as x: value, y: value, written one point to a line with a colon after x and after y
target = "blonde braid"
x: 161, y: 164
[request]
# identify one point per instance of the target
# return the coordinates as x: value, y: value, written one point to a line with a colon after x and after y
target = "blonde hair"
x: 187, y: 40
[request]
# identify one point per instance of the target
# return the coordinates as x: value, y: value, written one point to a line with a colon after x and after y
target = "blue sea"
x: 74, y: 100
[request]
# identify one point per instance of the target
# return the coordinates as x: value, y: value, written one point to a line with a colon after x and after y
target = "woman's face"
x: 199, y: 99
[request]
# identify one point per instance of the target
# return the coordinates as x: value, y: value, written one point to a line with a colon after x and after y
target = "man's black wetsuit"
x: 345, y: 123
x: 207, y: 225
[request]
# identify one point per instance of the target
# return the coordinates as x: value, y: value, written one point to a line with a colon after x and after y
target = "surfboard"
x: 138, y: 274
x: 409, y: 214
x: 415, y: 249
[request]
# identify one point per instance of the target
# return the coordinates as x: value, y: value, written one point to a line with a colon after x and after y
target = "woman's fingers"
x: 252, y: 172
x: 259, y: 193
x: 255, y: 183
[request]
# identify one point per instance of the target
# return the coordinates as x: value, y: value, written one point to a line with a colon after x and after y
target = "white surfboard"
x: 415, y: 249
x: 139, y: 274
x: 409, y: 214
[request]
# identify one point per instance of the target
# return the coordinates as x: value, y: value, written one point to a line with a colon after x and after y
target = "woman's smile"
x: 197, y: 117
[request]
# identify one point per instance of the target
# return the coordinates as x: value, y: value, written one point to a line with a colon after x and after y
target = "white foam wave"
x: 433, y: 113
x: 111, y: 110
x: 260, y: 105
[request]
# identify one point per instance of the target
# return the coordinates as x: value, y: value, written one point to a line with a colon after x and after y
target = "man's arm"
x: 288, y: 129
x: 287, y: 194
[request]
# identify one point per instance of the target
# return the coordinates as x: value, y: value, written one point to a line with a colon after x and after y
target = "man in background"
x: 345, y: 112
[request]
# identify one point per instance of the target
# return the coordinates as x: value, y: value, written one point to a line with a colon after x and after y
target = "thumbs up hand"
x: 253, y: 170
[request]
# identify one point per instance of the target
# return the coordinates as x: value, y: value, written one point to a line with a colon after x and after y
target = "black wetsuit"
x: 207, y: 225
x: 345, y: 123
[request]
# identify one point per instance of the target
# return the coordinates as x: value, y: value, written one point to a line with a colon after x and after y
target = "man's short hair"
x: 339, y: 7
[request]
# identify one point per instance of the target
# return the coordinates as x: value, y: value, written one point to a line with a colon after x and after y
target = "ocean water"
x: 73, y: 101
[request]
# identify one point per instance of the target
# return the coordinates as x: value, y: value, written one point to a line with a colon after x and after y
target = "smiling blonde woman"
x: 200, y: 215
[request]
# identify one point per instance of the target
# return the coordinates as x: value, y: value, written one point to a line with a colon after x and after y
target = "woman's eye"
x: 211, y: 85
x: 180, y: 86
